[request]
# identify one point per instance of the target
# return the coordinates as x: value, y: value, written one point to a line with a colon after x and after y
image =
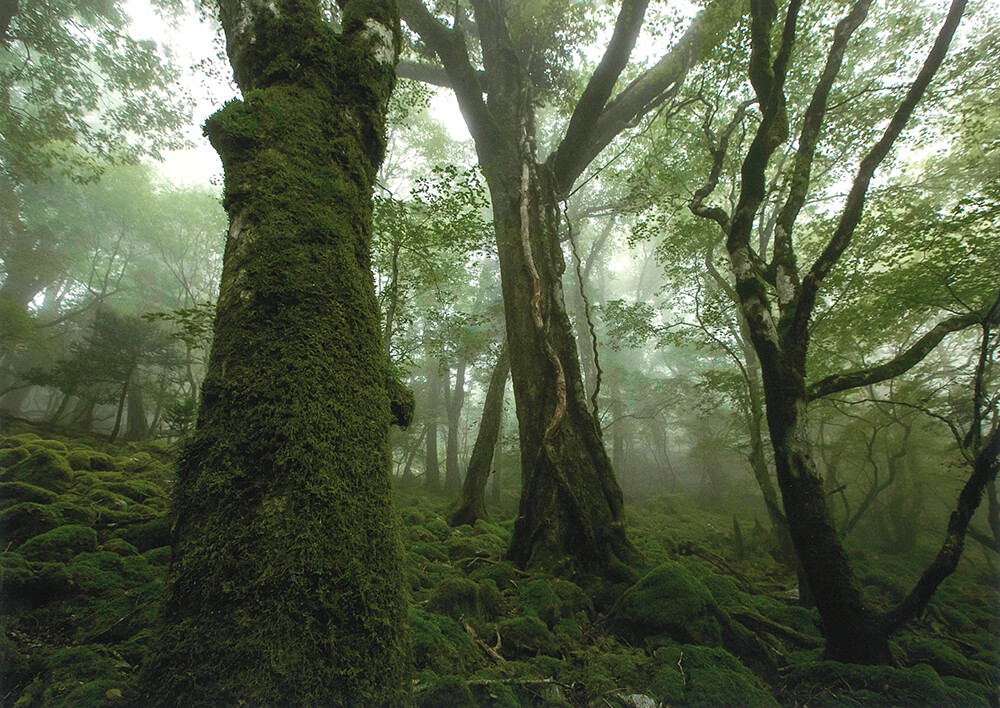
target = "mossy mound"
x: 706, y: 677
x: 44, y: 468
x: 668, y: 601
x: 853, y: 684
x: 433, y: 690
x: 440, y: 643
x: 20, y: 522
x: 77, y: 595
x: 60, y: 544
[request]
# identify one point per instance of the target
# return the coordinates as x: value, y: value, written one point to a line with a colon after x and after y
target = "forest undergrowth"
x: 712, y: 620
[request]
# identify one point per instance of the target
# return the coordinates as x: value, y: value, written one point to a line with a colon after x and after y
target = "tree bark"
x: 472, y: 505
x: 136, y: 427
x: 454, y: 398
x: 285, y: 585
x: 432, y: 467
x: 570, y: 519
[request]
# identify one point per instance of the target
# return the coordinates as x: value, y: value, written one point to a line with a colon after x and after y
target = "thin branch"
x: 854, y: 208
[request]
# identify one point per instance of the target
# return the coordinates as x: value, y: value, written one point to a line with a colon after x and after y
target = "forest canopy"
x: 528, y: 353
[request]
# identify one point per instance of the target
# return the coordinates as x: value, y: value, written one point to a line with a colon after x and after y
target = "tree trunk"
x: 570, y: 519
x: 285, y: 585
x: 118, y: 414
x: 472, y: 505
x: 136, y: 426
x: 432, y: 468
x: 855, y: 632
x: 454, y: 398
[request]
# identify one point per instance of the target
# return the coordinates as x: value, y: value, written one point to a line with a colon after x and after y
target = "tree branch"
x: 429, y: 73
x: 897, y: 365
x: 649, y: 89
x: 462, y: 76
x: 784, y: 255
x: 582, y: 124
x: 854, y: 207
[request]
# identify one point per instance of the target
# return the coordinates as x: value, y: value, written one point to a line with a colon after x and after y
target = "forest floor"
x: 85, y: 554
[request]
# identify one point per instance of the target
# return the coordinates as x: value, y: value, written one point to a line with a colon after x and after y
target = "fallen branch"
x: 493, y: 651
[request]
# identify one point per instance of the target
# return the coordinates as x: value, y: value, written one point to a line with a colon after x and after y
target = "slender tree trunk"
x: 118, y: 415
x: 136, y: 427
x: 472, y: 505
x: 285, y: 585
x: 432, y: 467
x: 454, y: 398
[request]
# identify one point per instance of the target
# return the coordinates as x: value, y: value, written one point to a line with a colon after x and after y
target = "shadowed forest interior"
x: 499, y: 353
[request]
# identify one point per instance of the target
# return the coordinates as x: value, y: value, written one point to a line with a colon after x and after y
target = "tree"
x: 571, y: 514
x: 472, y: 505
x: 854, y: 630
x: 285, y: 584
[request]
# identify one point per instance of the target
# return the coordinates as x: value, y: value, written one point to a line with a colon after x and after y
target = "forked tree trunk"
x: 472, y: 505
x: 285, y: 585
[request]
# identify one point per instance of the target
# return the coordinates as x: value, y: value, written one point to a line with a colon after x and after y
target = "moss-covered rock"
x: 60, y: 544
x: 147, y: 536
x: 22, y: 521
x: 440, y: 644
x: 10, y: 456
x: 668, y: 601
x: 526, y: 636
x: 706, y: 677
x: 856, y: 684
x: 948, y: 662
x: 13, y: 492
x: 43, y: 468
x: 437, y: 691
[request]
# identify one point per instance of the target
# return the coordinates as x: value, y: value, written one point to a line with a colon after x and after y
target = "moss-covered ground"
x: 84, y: 539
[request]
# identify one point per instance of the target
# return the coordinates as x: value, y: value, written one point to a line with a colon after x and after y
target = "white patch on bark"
x: 786, y: 289
x: 381, y: 37
x: 742, y: 267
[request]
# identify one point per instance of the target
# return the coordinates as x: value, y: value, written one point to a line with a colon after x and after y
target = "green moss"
x: 668, y: 601
x: 79, y: 460
x: 119, y: 546
x: 440, y: 644
x: 430, y: 551
x: 22, y: 521
x: 793, y: 616
x: 20, y: 491
x: 526, y: 636
x: 43, y: 468
x: 60, y: 544
x: 540, y: 600
x: 502, y: 574
x: 872, y: 685
x: 157, y: 556
x: 455, y: 597
x: 948, y: 662
x: 436, y: 691
x: 438, y: 528
x: 146, y: 536
x: 12, y: 455
x: 706, y: 677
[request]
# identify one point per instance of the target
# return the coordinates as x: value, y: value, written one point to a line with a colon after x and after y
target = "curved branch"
x: 897, y: 365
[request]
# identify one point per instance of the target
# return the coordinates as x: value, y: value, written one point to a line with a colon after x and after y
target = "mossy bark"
x: 285, y: 585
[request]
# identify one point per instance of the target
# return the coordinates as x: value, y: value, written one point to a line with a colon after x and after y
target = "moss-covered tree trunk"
x: 472, y: 505
x: 284, y: 584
